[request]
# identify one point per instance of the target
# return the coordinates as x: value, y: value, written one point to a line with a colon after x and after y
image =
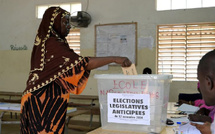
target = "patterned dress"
x: 56, y: 71
x: 44, y: 110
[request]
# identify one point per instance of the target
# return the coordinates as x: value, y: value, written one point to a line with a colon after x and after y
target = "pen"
x: 181, y: 123
x: 201, y: 123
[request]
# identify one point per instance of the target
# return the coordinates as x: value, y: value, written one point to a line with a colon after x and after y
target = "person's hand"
x: 204, y: 129
x: 199, y: 118
x: 123, y: 61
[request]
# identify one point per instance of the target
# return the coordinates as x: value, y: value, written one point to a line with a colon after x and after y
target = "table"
x: 85, y: 104
x: 171, y: 109
x: 9, y: 107
x: 167, y: 130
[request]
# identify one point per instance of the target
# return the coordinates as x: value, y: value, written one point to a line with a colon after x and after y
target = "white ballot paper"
x: 129, y: 70
x: 188, y: 108
x: 187, y: 129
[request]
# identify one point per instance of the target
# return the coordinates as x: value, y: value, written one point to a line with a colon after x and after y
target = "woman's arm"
x: 96, y: 62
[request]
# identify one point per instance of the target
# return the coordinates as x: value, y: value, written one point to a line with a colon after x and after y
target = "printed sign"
x: 129, y: 108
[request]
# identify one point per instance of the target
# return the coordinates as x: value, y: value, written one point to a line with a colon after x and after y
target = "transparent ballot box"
x: 133, y: 102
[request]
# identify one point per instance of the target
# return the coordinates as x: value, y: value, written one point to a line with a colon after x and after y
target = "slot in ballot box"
x: 133, y: 102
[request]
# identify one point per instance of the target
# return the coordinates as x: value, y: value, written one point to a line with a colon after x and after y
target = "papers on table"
x: 183, y: 122
x: 179, y: 120
x: 189, y: 109
x: 186, y: 129
x: 10, y: 106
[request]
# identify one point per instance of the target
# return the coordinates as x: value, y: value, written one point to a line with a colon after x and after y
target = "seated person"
x: 147, y: 70
x: 205, y: 113
x: 206, y: 77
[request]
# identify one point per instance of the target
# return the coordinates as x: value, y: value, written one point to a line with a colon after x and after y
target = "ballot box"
x: 133, y: 102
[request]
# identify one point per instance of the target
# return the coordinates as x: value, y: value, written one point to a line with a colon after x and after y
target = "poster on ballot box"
x: 128, y: 108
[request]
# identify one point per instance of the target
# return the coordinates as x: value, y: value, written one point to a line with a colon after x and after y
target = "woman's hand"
x: 204, y: 129
x: 123, y: 61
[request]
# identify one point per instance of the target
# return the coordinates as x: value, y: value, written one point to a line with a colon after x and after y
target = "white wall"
x: 19, y: 25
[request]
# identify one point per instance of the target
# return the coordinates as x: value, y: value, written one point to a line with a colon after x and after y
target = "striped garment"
x: 44, y: 111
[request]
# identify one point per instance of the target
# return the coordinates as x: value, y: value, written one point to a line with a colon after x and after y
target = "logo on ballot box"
x: 128, y: 108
